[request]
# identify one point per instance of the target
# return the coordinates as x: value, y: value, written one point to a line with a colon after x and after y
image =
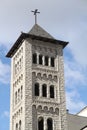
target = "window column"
x: 37, y: 58
x: 48, y: 92
x: 49, y: 64
x: 43, y: 60
x: 45, y: 123
x: 40, y: 90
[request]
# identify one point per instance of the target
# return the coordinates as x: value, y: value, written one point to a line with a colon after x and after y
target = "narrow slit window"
x: 16, y: 97
x: 40, y: 59
x: 20, y: 125
x: 44, y: 90
x: 21, y: 92
x: 16, y: 126
x: 49, y: 124
x: 52, y: 62
x: 37, y: 89
x: 40, y: 123
x: 52, y: 91
x: 34, y: 58
x: 46, y: 60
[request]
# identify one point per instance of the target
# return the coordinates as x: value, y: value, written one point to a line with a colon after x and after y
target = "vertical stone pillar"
x: 40, y: 90
x: 45, y: 124
x: 48, y: 93
x: 37, y: 58
x: 43, y: 60
x: 49, y: 62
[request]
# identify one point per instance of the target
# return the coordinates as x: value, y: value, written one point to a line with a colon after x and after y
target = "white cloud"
x: 74, y: 74
x: 4, y: 73
x: 75, y: 81
x: 74, y: 103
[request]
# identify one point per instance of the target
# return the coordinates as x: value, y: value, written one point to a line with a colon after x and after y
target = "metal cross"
x: 35, y: 13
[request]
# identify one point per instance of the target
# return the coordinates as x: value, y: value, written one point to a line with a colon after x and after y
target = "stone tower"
x: 37, y: 82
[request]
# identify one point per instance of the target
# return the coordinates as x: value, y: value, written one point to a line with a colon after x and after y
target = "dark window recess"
x: 40, y: 59
x: 44, y: 90
x: 46, y: 60
x: 35, y: 58
x: 51, y: 91
x: 52, y: 62
x: 49, y: 124
x: 16, y: 126
x: 40, y: 123
x: 20, y: 125
x: 36, y: 89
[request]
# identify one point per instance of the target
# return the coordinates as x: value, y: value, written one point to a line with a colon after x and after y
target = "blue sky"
x: 65, y: 20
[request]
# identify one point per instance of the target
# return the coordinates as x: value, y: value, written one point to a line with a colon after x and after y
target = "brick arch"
x: 34, y: 74
x: 44, y: 76
x: 45, y: 108
x: 19, y: 111
x: 50, y: 77
x: 39, y: 108
x: 57, y: 111
x: 51, y: 109
x: 55, y: 78
x: 39, y: 75
x: 34, y: 106
x: 19, y: 79
x: 21, y: 76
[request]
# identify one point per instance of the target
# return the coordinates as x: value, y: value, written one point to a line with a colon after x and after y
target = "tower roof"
x: 36, y: 33
x: 39, y: 31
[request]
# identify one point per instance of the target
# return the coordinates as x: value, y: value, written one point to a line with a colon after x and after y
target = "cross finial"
x: 35, y: 13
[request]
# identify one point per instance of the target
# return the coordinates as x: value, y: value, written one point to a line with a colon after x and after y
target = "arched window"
x: 51, y: 91
x: 21, y: 92
x: 16, y: 97
x: 15, y: 68
x: 49, y: 124
x: 40, y: 123
x: 16, y: 126
x: 44, y: 90
x: 20, y: 125
x: 46, y: 60
x: 34, y: 58
x: 52, y: 62
x: 36, y: 89
x: 40, y: 59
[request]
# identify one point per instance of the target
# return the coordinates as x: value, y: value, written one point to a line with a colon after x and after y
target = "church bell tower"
x: 37, y: 82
